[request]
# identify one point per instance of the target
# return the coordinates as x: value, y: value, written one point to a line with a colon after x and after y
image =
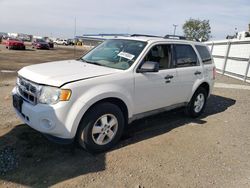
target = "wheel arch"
x: 203, y: 84
x: 81, y: 114
x: 190, y: 105
x: 114, y: 100
x: 206, y: 86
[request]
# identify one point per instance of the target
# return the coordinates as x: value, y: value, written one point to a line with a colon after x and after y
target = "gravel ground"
x: 166, y: 150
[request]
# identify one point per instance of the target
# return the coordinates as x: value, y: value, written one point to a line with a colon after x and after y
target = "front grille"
x: 28, y: 90
x: 44, y: 46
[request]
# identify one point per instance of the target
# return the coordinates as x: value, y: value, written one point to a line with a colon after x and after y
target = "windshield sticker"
x: 126, y: 55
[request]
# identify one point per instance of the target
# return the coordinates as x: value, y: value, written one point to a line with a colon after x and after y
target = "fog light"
x: 47, y: 124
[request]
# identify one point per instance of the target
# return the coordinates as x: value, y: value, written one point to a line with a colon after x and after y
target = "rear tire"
x: 197, y: 103
x: 101, y: 128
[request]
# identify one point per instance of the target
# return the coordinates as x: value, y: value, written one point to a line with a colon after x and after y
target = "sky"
x: 56, y: 18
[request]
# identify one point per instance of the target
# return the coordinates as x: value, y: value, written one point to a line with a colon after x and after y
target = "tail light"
x: 214, y: 72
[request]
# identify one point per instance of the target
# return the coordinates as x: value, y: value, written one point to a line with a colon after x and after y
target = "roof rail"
x: 175, y: 37
x: 165, y: 37
x: 180, y: 38
x: 142, y: 35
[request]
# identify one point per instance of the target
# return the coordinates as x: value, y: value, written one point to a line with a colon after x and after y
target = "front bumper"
x: 42, y: 47
x: 47, y: 119
x: 17, y: 47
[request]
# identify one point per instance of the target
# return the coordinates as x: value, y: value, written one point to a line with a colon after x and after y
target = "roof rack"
x: 180, y: 38
x: 175, y: 37
x: 142, y: 35
x: 165, y: 37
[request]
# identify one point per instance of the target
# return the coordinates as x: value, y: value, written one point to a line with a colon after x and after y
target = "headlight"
x: 18, y: 80
x: 52, y: 95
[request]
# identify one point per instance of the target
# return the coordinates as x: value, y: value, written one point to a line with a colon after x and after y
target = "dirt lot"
x: 166, y: 150
x: 15, y: 59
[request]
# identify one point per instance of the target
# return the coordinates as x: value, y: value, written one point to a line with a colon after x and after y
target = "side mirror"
x: 149, y: 66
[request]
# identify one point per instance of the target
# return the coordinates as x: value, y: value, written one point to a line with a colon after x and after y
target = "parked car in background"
x: 40, y: 44
x: 50, y: 42
x: 2, y: 36
x: 13, y: 43
x: 24, y: 37
x: 71, y: 42
x: 61, y: 42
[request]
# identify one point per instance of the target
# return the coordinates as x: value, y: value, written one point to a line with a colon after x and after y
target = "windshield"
x: 115, y: 53
x: 16, y: 39
x: 40, y: 40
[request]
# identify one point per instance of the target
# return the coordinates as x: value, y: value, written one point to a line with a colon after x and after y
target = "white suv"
x: 91, y: 99
x: 61, y: 42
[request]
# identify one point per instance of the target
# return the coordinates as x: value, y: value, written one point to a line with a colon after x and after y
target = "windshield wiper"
x: 95, y: 63
x: 91, y: 62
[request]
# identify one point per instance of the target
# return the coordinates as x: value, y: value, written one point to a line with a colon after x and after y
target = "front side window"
x: 115, y: 53
x: 185, y: 56
x: 161, y: 54
x: 204, y: 54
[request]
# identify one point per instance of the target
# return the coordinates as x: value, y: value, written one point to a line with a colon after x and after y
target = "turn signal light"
x: 65, y: 94
x: 214, y: 73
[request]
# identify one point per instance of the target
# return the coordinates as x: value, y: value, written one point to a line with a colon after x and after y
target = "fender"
x: 90, y: 97
x: 197, y: 84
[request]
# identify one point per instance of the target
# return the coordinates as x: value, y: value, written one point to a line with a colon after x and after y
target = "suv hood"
x: 60, y: 72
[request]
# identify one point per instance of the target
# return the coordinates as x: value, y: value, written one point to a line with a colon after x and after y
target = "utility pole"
x: 74, y: 39
x: 236, y: 32
x: 175, y: 28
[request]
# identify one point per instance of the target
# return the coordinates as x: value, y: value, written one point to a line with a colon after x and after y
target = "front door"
x: 156, y: 90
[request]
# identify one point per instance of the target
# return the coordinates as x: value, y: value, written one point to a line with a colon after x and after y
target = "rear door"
x: 209, y: 68
x: 189, y: 70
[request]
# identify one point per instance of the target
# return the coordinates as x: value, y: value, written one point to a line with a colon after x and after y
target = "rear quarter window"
x: 204, y: 54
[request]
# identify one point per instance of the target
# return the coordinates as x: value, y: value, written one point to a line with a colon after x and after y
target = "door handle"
x: 169, y: 77
x: 167, y: 81
x: 197, y: 73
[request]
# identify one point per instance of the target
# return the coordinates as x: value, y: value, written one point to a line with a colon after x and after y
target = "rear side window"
x: 204, y: 54
x: 185, y: 56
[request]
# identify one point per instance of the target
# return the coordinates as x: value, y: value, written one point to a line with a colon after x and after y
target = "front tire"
x: 197, y: 103
x: 101, y: 128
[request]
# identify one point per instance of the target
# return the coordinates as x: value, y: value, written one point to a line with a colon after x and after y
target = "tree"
x: 197, y: 29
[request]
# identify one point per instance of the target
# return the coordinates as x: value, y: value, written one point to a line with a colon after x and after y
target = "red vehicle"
x: 13, y: 43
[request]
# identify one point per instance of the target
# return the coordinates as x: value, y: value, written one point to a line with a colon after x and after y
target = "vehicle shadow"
x: 30, y: 49
x: 43, y: 163
x: 164, y: 122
